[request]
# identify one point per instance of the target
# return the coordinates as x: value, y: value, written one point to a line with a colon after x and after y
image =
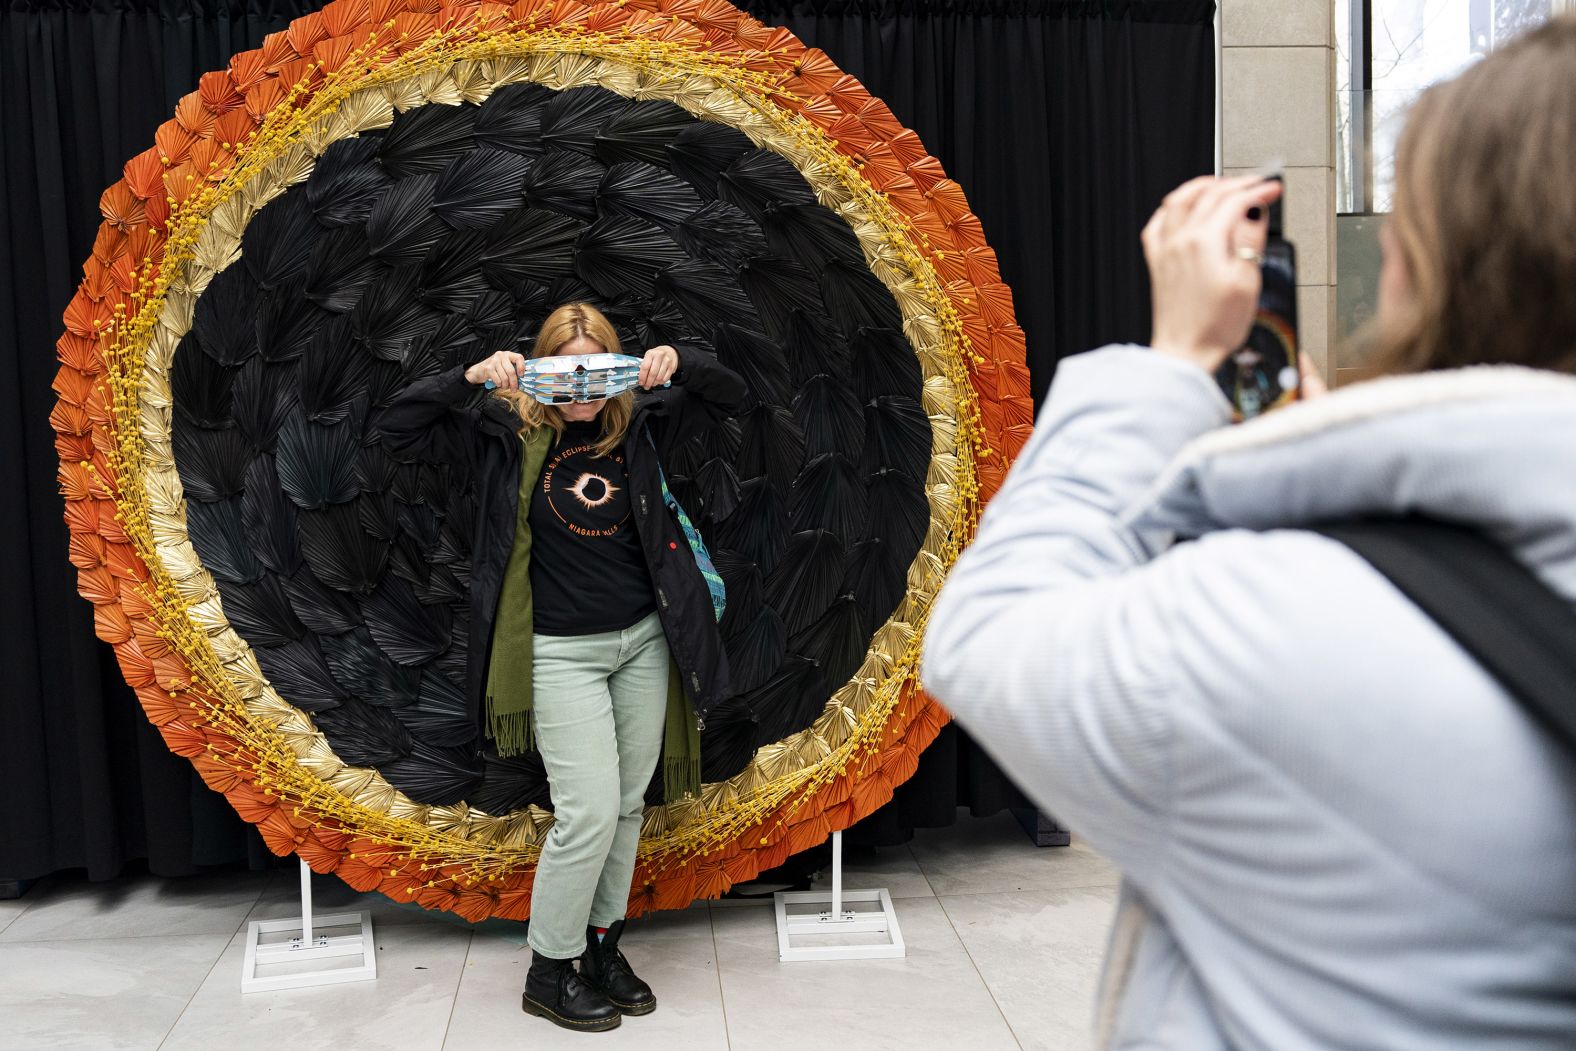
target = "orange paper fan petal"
x: 110, y: 622
x: 848, y: 93
x: 86, y: 316
x: 145, y: 173
x: 184, y: 739
x: 174, y: 142
x: 304, y: 32
x: 341, y: 16
x: 277, y: 50
x: 263, y: 96
x: 248, y: 68
x: 234, y: 128
x: 218, y: 92
x: 221, y: 777
x: 160, y: 706
x: 121, y: 207
x: 332, y: 52
x: 86, y: 550
x: 95, y: 275
x: 193, y: 115
x: 812, y: 74
x: 250, y: 803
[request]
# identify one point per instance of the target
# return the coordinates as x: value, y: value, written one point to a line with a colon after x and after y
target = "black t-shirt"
x: 587, y: 571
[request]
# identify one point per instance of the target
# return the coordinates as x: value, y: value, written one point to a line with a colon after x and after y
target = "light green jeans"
x: 600, y: 705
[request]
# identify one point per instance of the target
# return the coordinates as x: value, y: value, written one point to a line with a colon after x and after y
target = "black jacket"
x: 445, y: 417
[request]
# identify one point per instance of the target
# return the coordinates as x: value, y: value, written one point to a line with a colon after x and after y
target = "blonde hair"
x: 1485, y: 214
x: 569, y: 322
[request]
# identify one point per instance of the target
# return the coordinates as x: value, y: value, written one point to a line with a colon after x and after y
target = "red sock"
x: 599, y: 932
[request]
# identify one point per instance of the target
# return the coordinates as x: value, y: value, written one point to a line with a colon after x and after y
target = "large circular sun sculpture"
x: 392, y: 187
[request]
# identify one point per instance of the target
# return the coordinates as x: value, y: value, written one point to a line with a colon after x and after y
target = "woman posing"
x: 593, y: 635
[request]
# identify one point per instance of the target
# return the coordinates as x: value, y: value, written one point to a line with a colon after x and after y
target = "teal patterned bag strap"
x: 697, y: 546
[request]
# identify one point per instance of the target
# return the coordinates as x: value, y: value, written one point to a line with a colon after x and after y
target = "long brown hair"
x: 1485, y: 214
x: 570, y: 322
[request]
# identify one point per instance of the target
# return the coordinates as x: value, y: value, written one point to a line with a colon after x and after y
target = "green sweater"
x: 509, y: 684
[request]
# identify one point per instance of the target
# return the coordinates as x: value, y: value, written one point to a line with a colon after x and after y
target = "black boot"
x: 555, y: 992
x: 605, y: 967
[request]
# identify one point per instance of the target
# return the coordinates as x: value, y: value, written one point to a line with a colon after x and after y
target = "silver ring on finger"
x: 1251, y: 255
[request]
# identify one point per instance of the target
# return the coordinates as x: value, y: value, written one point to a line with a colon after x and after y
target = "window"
x: 1387, y: 51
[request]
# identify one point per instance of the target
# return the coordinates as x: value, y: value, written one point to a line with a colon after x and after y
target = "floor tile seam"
x: 716, y: 960
x: 964, y: 945
x: 455, y: 999
x: 78, y: 939
x: 1027, y: 890
x: 921, y: 867
x: 187, y: 1006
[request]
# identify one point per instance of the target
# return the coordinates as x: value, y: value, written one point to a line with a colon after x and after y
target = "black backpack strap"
x: 1514, y: 625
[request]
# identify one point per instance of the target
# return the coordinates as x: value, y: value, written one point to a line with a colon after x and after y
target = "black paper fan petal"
x: 772, y: 445
x: 402, y: 226
x: 811, y: 234
x: 340, y: 268
x: 317, y: 463
x: 212, y: 464
x: 829, y: 494
x: 743, y: 578
x: 728, y: 742
x: 340, y: 552
x: 529, y: 248
x: 264, y: 395
x: 511, y: 119
x: 406, y: 631
x: 270, y: 518
x: 831, y: 417
x: 451, y: 273
x: 837, y: 642
x: 646, y: 192
x: 287, y: 321
x: 391, y: 318
x: 707, y: 295
x: 722, y: 234
x: 511, y: 784
x: 897, y: 434
x: 217, y: 534
x: 719, y: 489
x: 425, y: 140
x: 278, y: 241
x: 379, y: 515
x: 223, y: 320
x: 876, y: 576
x: 778, y: 287
x: 899, y: 511
x: 572, y: 119
x: 760, y: 180
x: 790, y: 701
x: 479, y: 187
x: 346, y: 182
x: 756, y: 358
x: 364, y: 734
x: 299, y: 673
x: 321, y: 608
x: 261, y: 612
x: 435, y: 775
x: 758, y: 528
x: 812, y: 347
x: 620, y: 254
x: 334, y: 374
x: 883, y: 363
x: 564, y: 181
x: 641, y: 132
x: 201, y: 387
x: 362, y: 670
x: 855, y: 298
x: 439, y: 715
x: 803, y: 583
x: 703, y: 151
x: 756, y: 650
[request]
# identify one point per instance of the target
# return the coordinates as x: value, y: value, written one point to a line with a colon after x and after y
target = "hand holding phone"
x: 1262, y: 374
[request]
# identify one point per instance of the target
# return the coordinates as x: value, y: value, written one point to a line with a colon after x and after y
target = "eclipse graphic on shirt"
x: 592, y: 490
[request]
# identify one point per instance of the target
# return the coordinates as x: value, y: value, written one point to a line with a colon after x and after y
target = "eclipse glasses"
x: 574, y: 378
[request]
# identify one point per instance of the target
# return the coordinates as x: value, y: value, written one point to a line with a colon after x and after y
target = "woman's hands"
x: 1203, y: 250
x: 504, y: 369
x: 658, y: 366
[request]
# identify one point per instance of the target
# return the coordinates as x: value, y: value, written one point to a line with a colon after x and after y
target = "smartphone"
x: 1262, y: 374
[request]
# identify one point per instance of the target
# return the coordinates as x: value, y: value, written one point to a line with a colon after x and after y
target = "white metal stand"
x: 281, y: 954
x: 838, y: 919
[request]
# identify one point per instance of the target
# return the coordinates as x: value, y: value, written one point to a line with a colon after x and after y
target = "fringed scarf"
x: 509, y: 686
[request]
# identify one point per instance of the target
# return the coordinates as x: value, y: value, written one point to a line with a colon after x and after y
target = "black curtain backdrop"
x: 1065, y: 122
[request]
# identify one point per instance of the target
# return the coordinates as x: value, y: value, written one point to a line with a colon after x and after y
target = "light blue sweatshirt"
x: 1335, y: 830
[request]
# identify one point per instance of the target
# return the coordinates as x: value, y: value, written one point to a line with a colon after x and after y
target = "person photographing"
x: 593, y: 630
x: 1335, y: 829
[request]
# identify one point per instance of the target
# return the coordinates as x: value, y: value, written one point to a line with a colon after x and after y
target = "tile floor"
x: 1004, y: 945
